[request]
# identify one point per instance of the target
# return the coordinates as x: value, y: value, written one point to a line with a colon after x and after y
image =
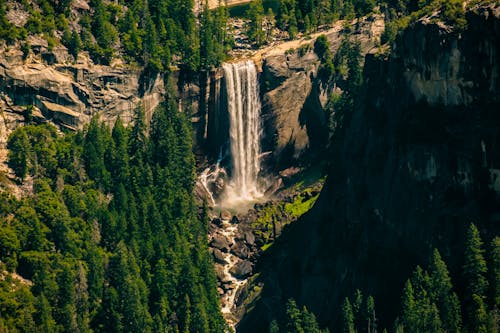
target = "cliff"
x: 414, y: 165
x: 293, y: 97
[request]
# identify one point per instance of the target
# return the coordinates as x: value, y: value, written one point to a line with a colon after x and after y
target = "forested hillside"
x: 110, y: 239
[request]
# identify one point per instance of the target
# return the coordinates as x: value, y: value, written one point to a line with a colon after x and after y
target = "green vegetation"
x: 156, y: 34
x: 429, y: 302
x: 283, y: 213
x: 403, y: 13
x: 109, y: 241
x: 301, y: 204
x: 306, y: 16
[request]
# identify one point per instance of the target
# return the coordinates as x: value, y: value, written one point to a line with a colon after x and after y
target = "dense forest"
x: 162, y: 34
x: 110, y: 239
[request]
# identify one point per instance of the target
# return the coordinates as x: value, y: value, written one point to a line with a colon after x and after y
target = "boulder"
x: 249, y: 238
x: 219, y: 257
x: 226, y: 215
x: 217, y: 221
x: 221, y: 242
x: 219, y: 271
x: 242, y: 269
x: 240, y: 250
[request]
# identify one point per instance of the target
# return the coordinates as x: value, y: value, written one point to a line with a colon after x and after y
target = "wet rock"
x: 212, y: 228
x: 228, y: 286
x: 218, y: 187
x: 219, y: 257
x: 289, y: 173
x: 240, y: 250
x: 221, y: 242
x: 225, y: 215
x: 242, y: 269
x: 249, y: 238
x: 219, y: 271
x: 275, y: 186
x: 217, y: 221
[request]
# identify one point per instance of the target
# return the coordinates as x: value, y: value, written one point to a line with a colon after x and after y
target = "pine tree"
x: 408, y: 315
x: 474, y: 271
x: 274, y: 327
x: 120, y: 160
x: 347, y: 317
x: 441, y: 293
x: 255, y: 14
x: 495, y: 271
x: 357, y: 307
x: 19, y: 152
x: 370, y: 317
x: 479, y: 315
x: 475, y: 265
x: 294, y: 320
x: 309, y: 323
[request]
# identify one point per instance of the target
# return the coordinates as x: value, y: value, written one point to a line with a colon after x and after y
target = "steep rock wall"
x: 293, y: 97
x: 418, y: 161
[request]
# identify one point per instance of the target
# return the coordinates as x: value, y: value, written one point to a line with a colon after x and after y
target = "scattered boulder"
x: 226, y: 215
x: 219, y: 257
x: 249, y: 238
x: 240, y: 250
x: 242, y: 269
x: 219, y: 271
x: 217, y: 221
x: 221, y: 242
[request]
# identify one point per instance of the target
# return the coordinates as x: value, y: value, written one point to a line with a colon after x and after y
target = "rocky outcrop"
x: 293, y: 96
x: 70, y: 93
x: 413, y: 166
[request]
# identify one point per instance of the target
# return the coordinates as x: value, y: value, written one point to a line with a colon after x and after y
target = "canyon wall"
x: 415, y: 164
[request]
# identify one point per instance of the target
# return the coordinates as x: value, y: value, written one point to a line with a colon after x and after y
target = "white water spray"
x: 244, y: 131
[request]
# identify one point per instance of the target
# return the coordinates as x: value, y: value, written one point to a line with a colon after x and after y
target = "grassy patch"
x: 301, y: 205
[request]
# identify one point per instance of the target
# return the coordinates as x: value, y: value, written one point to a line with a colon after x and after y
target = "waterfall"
x: 244, y: 130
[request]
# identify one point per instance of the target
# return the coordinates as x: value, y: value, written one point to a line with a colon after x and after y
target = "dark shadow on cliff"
x: 313, y: 117
x: 408, y: 174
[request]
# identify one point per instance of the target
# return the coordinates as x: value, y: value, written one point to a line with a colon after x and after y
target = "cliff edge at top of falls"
x: 415, y: 164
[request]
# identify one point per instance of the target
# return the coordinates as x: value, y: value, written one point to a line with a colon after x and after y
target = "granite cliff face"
x: 293, y: 97
x: 414, y: 165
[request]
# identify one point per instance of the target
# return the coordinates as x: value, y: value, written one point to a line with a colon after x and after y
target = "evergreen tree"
x: 495, y: 272
x: 294, y: 320
x: 19, y: 152
x: 479, y: 316
x: 347, y: 317
x: 370, y: 317
x: 408, y: 315
x: 442, y: 294
x: 255, y: 14
x: 474, y: 271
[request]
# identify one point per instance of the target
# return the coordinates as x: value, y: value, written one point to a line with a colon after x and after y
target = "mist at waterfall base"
x: 243, y: 185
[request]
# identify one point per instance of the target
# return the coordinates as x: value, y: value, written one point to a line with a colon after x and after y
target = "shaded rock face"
x: 415, y: 166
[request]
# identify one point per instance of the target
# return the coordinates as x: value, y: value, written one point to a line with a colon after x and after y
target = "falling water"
x: 244, y: 130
